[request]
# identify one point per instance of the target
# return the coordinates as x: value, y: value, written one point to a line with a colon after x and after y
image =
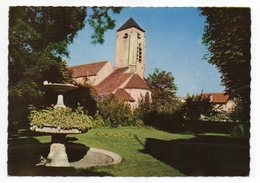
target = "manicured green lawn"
x: 145, y: 152
x: 128, y: 143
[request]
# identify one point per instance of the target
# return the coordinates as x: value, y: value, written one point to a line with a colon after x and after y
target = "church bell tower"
x: 130, y: 47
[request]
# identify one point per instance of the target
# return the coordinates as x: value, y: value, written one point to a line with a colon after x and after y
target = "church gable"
x: 113, y: 81
x: 92, y: 73
x: 125, y: 86
x: 136, y: 82
x: 122, y: 95
x: 86, y: 70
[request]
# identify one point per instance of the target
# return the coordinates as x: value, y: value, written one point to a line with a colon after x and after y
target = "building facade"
x: 126, y: 79
x: 221, y: 101
x: 130, y: 47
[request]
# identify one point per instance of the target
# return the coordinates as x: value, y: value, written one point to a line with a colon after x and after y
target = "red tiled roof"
x: 217, y: 97
x: 122, y: 95
x: 137, y: 82
x: 86, y: 69
x: 113, y: 81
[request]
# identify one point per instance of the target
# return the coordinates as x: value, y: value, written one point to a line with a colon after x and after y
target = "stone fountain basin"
x: 60, y: 87
x: 97, y: 157
x: 80, y: 156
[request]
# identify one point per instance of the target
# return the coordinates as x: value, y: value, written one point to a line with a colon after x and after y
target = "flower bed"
x: 61, y: 119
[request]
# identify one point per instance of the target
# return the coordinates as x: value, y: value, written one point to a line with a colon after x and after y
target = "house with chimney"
x: 126, y: 79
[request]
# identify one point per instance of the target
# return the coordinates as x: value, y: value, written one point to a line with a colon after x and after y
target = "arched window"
x: 138, y: 36
x: 139, y: 52
x: 125, y: 36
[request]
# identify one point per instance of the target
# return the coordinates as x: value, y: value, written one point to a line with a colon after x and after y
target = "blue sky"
x: 173, y: 43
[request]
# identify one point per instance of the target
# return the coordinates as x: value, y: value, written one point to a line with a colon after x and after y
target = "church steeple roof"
x: 129, y: 24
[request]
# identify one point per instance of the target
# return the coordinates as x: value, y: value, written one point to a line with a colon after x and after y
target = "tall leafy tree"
x: 100, y: 20
x: 227, y: 36
x: 38, y: 42
x: 163, y: 90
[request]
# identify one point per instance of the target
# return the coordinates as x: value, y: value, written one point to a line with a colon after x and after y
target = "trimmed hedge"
x: 174, y: 124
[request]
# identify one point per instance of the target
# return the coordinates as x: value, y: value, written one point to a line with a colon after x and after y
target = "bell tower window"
x: 139, y: 53
x: 125, y: 36
x: 138, y: 36
x: 130, y: 47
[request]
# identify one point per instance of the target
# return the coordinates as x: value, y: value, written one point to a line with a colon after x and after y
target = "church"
x: 126, y: 79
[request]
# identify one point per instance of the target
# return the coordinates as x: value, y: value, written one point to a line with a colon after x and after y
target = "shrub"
x: 162, y: 116
x: 116, y: 113
x: 197, y: 106
x: 99, y: 121
x: 63, y: 118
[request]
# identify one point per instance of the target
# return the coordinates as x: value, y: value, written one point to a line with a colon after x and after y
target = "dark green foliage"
x: 144, y: 107
x: 38, y: 42
x: 196, y: 106
x: 162, y: 109
x: 83, y: 95
x: 166, y: 112
x: 101, y: 21
x: 227, y: 36
x: 116, y: 113
x: 163, y: 90
x: 38, y: 39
